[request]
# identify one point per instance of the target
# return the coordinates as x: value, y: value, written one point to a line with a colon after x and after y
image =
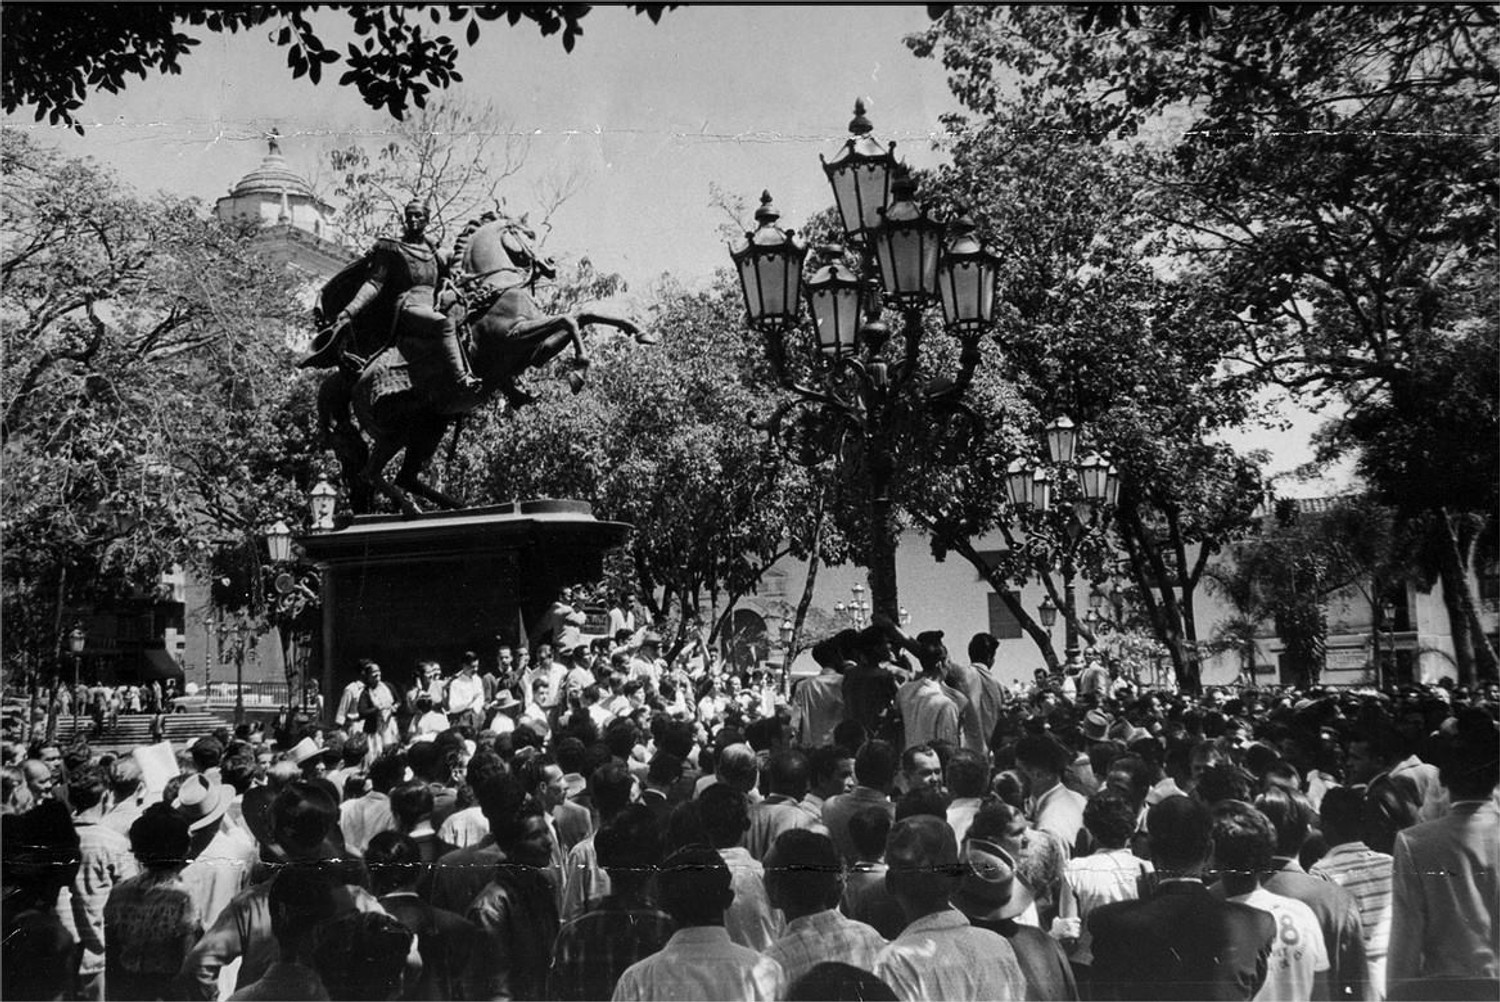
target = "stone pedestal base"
x: 401, y: 590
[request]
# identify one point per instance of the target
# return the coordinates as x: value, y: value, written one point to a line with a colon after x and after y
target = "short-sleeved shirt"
x: 1297, y: 951
x: 943, y: 956
x: 701, y: 962
x: 825, y: 936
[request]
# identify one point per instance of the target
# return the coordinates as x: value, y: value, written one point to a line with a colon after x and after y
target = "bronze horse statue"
x: 495, y: 272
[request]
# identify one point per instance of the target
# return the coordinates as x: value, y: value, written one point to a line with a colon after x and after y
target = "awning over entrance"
x: 157, y: 664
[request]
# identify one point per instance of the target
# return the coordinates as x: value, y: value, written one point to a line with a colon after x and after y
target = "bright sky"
x: 649, y: 116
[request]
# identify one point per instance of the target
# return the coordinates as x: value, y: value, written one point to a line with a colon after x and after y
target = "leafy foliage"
x: 56, y: 55
x: 1322, y: 173
x: 148, y: 415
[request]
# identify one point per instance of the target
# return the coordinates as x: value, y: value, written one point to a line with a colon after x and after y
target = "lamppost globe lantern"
x: 833, y: 295
x: 1041, y: 490
x: 786, y: 633
x: 860, y: 175
x: 77, y: 640
x: 279, y: 542
x: 966, y: 280
x: 1112, y: 485
x: 1093, y: 477
x: 769, y: 264
x: 320, y: 504
x: 1048, y: 612
x: 1018, y: 482
x: 907, y: 243
x: 1062, y: 439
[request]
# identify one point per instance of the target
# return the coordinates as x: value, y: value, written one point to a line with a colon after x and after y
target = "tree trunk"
x: 1455, y: 554
x: 814, y: 561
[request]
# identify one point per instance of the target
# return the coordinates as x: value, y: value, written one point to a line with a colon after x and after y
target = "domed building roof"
x: 273, y: 177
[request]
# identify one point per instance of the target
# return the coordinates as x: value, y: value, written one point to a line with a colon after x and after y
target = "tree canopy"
x: 56, y: 54
x: 148, y: 415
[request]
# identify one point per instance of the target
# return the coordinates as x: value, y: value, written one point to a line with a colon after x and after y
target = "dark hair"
x: 868, y: 829
x: 1290, y: 815
x: 968, y: 773
x: 356, y: 747
x: 1341, y: 814
x: 388, y: 770
x: 1469, y: 762
x: 1181, y: 833
x: 621, y: 736
x: 982, y: 647
x: 1243, y: 839
x: 725, y: 814
x: 684, y: 827
x: 804, y: 867
x: 87, y: 785
x: 300, y: 898
x: 664, y: 769
x: 850, y: 734
x: 923, y: 800
x: 410, y: 803
x: 832, y: 981
x: 1222, y: 781
x: 788, y: 773
x: 303, y: 815
x: 571, y: 754
x: 1042, y: 751
x: 394, y: 861
x: 1137, y: 772
x: 875, y: 765
x: 630, y: 842
x: 694, y: 886
x: 996, y: 820
x: 362, y: 955
x: 160, y: 838
x: 1110, y: 818
x: 610, y: 786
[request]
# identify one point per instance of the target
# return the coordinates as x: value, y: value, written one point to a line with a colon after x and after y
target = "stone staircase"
x: 132, y: 729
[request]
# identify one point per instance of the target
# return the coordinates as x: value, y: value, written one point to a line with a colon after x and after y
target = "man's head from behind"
x: 725, y: 815
x: 922, y: 856
x: 629, y: 847
x: 1181, y: 835
x: 302, y: 816
x: 1243, y: 841
x: 875, y: 765
x: 694, y: 886
x: 803, y: 874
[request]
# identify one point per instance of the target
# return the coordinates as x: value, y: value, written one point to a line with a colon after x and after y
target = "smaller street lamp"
x: 787, y: 629
x: 1062, y: 440
x: 833, y: 295
x: 279, y: 542
x: 905, y: 617
x: 1041, y: 490
x: 1018, y: 483
x: 1048, y: 612
x: 1096, y: 599
x: 320, y: 504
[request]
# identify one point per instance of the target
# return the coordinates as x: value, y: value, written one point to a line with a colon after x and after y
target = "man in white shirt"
x: 464, y: 700
x: 930, y: 709
x: 1243, y: 844
x: 700, y: 961
x: 939, y: 955
x: 750, y: 920
x: 979, y: 683
x: 1052, y: 806
x: 818, y: 702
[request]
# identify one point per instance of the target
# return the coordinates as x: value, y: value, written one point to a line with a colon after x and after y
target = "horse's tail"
x: 338, y: 432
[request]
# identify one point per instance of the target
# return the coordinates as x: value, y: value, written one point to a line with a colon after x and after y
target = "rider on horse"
x: 402, y: 278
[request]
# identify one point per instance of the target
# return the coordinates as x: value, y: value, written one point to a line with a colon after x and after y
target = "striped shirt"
x: 1366, y: 874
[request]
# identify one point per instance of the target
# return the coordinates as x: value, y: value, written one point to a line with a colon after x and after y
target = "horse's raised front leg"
x: 587, y: 317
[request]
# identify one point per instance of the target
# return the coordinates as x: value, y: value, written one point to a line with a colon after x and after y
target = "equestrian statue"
x: 419, y: 338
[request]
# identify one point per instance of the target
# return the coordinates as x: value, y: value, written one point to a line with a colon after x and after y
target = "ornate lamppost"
x: 320, y: 505
x: 864, y: 390
x: 77, y: 641
x: 1060, y: 508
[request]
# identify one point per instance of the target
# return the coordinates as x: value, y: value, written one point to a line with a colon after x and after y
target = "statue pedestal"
x: 401, y: 590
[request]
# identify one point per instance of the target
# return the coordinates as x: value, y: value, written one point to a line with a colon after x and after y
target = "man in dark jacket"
x: 1180, y: 942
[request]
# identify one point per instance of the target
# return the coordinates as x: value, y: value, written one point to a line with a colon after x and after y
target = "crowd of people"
x: 587, y: 820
